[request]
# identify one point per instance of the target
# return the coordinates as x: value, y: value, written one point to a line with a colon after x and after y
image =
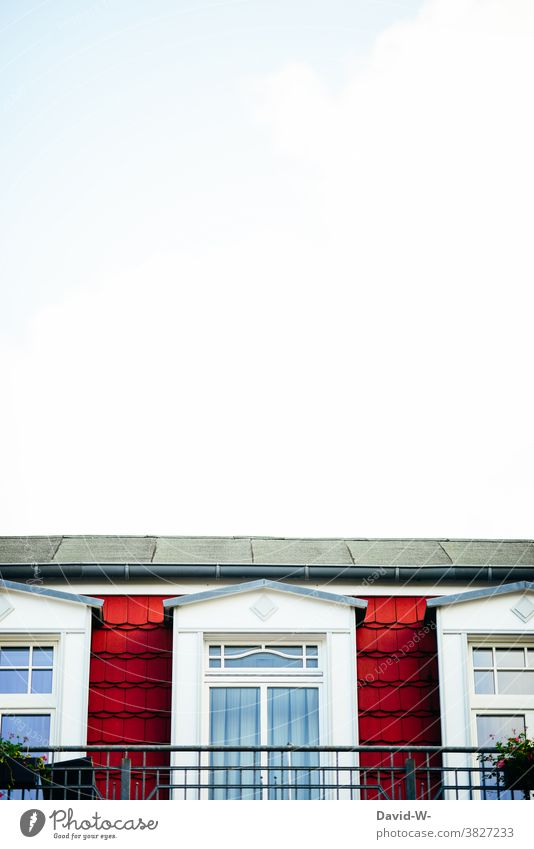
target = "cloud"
x: 359, y: 365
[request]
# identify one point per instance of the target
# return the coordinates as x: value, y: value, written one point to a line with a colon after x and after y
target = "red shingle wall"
x: 130, y: 679
x: 398, y: 698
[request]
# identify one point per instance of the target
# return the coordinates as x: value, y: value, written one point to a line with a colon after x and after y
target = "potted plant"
x: 18, y: 769
x: 514, y: 763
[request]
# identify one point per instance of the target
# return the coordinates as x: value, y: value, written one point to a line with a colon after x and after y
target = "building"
x: 320, y: 668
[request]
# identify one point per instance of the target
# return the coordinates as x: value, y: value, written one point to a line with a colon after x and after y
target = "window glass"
x: 482, y: 657
x: 484, y: 681
x: 516, y: 683
x: 265, y: 656
x: 503, y: 671
x: 510, y: 658
x: 26, y: 669
x: 13, y: 680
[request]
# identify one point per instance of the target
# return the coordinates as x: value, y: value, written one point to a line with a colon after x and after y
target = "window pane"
x: 484, y: 682
x: 230, y: 651
x: 312, y: 663
x: 516, y: 683
x: 34, y: 727
x: 482, y: 657
x: 43, y: 657
x: 510, y: 658
x: 13, y: 680
x: 42, y: 681
x: 530, y: 657
x: 262, y: 660
x: 312, y: 651
x: 215, y: 662
x: 492, y: 728
x: 234, y: 721
x: 294, y: 651
x: 14, y: 657
x: 293, y: 716
x: 215, y: 651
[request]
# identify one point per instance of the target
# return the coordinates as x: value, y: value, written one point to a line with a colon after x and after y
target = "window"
x: 506, y: 670
x: 26, y: 669
x: 264, y: 656
x: 27, y: 700
x: 282, y: 707
x: 503, y: 697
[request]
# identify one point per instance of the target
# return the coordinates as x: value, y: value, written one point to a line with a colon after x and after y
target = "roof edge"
x: 58, y: 594
x: 275, y: 586
x: 473, y: 595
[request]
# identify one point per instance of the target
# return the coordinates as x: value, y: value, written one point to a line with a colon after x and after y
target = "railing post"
x: 126, y: 774
x: 409, y: 778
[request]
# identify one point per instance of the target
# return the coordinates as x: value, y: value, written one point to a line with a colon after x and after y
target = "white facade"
x: 32, y: 618
x: 262, y: 612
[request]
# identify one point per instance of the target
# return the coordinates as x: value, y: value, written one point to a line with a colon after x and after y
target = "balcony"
x: 382, y: 773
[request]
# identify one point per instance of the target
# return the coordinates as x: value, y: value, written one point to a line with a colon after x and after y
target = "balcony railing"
x: 265, y: 773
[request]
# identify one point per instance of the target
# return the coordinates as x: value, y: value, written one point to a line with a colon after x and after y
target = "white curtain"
x: 235, y: 721
x: 293, y: 719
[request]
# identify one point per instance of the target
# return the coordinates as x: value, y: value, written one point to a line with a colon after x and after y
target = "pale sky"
x: 267, y: 267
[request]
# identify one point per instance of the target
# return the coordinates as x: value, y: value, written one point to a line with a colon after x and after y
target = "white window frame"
x: 263, y: 678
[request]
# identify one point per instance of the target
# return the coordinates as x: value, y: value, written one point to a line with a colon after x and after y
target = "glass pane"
x: 43, y: 657
x: 215, y: 662
x: 530, y: 657
x: 516, y: 683
x: 230, y: 651
x: 482, y: 657
x: 42, y: 681
x: 312, y: 663
x: 13, y: 680
x: 262, y: 660
x: 484, y: 682
x: 14, y: 657
x: 312, y: 651
x: 293, y: 716
x: 509, y: 658
x: 33, y: 729
x: 294, y: 651
x: 17, y: 727
x: 234, y: 721
x: 494, y: 728
x: 215, y: 651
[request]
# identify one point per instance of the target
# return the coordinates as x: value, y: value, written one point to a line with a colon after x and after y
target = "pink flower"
x: 500, y: 764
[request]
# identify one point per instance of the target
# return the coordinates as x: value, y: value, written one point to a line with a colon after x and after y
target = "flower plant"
x: 14, y: 750
x: 514, y: 763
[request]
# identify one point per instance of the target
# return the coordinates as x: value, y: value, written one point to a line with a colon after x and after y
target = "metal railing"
x: 145, y: 772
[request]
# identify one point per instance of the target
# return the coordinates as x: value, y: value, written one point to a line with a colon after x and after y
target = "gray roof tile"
x: 312, y: 552
x: 402, y: 552
x: 104, y: 549
x: 504, y: 553
x: 28, y: 549
x: 192, y: 550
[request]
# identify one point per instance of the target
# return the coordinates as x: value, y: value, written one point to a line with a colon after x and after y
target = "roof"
x: 169, y: 550
x: 275, y: 586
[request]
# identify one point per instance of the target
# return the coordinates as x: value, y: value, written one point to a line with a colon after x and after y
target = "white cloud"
x: 365, y: 371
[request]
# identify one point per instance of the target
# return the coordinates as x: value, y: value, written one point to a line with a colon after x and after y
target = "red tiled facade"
x: 130, y: 676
